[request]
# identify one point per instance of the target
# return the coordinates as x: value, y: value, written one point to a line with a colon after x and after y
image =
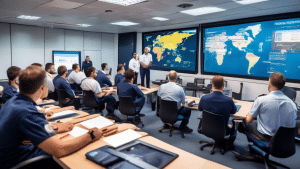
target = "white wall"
x: 22, y: 45
x: 251, y: 89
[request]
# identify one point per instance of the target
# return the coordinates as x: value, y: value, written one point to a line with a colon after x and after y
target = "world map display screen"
x: 253, y: 50
x: 173, y: 49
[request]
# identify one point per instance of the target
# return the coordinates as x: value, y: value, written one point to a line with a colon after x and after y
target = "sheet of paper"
x: 77, y: 131
x: 122, y: 138
x: 98, y: 122
x: 63, y: 113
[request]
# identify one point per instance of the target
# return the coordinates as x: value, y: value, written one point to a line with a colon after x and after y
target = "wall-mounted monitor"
x: 67, y: 58
x: 252, y: 47
x: 173, y: 49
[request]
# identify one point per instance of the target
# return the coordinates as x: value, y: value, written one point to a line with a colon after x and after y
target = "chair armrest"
x: 31, y: 161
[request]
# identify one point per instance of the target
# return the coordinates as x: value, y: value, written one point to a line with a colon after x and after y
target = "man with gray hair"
x: 172, y: 92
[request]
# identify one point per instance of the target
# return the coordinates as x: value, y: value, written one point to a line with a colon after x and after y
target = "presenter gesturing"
x: 145, y: 61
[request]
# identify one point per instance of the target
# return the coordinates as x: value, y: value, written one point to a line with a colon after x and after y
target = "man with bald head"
x: 145, y: 62
x: 172, y: 92
x: 218, y: 103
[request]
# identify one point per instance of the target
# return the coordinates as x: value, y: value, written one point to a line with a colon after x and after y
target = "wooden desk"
x: 242, y: 113
x: 185, y: 159
x: 153, y: 88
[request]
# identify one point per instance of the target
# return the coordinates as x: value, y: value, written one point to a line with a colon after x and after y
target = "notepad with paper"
x: 63, y: 115
x: 98, y: 122
x: 122, y: 138
x: 77, y: 131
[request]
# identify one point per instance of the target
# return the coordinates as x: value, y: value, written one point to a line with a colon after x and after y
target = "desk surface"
x: 153, y: 88
x: 185, y: 159
x: 242, y: 113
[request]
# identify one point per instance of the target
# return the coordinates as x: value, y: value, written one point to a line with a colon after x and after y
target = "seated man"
x: 60, y: 82
x: 126, y: 88
x: 218, y: 103
x: 74, y: 78
x: 102, y: 97
x: 20, y: 120
x: 50, y: 70
x: 103, y: 80
x: 120, y: 76
x: 12, y: 87
x: 272, y: 111
x: 172, y: 92
x: 104, y: 67
x: 49, y: 79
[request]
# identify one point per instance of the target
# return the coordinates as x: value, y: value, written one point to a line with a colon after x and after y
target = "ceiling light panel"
x: 203, y: 11
x: 124, y: 23
x: 28, y: 17
x: 160, y: 18
x: 123, y: 2
x: 247, y: 2
x: 83, y: 25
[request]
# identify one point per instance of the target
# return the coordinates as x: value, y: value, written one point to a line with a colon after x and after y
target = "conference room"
x: 149, y: 84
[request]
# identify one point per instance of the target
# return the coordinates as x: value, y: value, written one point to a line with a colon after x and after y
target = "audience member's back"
x: 103, y: 80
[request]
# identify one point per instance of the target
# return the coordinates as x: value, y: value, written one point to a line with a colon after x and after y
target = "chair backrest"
x: 213, y: 126
x: 190, y: 84
x: 126, y: 106
x: 225, y: 83
x: 89, y: 99
x: 62, y: 95
x: 157, y: 105
x: 289, y: 92
x: 199, y: 81
x: 241, y: 89
x: 282, y: 144
x: 168, y: 111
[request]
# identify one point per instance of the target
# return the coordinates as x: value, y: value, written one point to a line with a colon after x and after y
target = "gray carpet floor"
x: 191, y: 142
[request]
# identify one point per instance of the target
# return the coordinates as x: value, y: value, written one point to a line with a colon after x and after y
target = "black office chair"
x: 281, y: 145
x: 89, y: 100
x: 199, y: 82
x: 168, y: 114
x: 42, y: 161
x: 62, y: 95
x: 190, y: 87
x: 157, y: 105
x: 213, y: 126
x: 127, y: 108
x: 225, y: 84
x: 238, y: 96
x: 207, y: 89
x: 290, y: 92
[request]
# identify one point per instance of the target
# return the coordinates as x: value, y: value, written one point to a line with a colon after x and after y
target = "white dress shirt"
x: 134, y: 65
x: 146, y: 59
x: 50, y: 83
x: 76, y: 77
x: 91, y: 85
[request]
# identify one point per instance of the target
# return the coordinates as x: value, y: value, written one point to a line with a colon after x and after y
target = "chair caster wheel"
x: 200, y: 142
x: 182, y: 136
x: 238, y: 159
x: 170, y: 135
x: 159, y: 131
x: 201, y: 148
x: 211, y: 153
x: 222, y: 152
x: 142, y: 125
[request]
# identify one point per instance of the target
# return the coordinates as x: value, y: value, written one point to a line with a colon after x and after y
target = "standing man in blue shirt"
x: 20, y: 120
x: 87, y: 63
x: 12, y: 87
x: 120, y: 76
x: 127, y: 88
x: 60, y: 82
x: 218, y: 103
x: 102, y: 97
x: 172, y: 92
x: 272, y: 111
x: 145, y: 62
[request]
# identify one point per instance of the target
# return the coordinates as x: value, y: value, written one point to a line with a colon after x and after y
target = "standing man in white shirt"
x: 134, y: 64
x: 145, y: 61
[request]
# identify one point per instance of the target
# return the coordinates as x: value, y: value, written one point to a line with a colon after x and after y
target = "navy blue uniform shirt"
x: 86, y: 65
x: 61, y: 83
x: 218, y: 103
x: 126, y: 89
x: 8, y: 92
x: 103, y: 80
x: 119, y: 78
x: 19, y: 121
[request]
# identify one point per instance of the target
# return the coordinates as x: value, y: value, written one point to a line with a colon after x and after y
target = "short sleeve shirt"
x: 272, y: 111
x: 172, y: 92
x: 146, y: 59
x: 19, y: 121
x: 8, y: 92
x: 91, y: 85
